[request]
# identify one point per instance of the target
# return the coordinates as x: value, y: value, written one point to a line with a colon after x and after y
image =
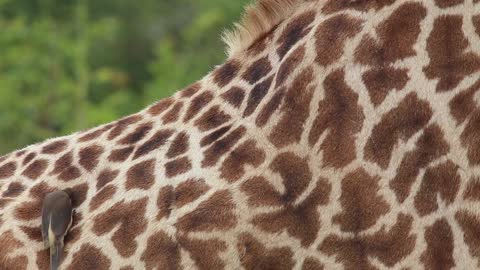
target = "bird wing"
x: 61, y: 217
x: 45, y: 227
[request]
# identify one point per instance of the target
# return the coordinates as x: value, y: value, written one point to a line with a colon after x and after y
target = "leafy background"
x: 68, y: 65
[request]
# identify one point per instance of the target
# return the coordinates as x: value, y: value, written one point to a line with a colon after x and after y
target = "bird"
x: 57, y: 217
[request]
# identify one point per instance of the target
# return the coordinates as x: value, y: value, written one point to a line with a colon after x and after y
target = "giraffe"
x: 338, y: 134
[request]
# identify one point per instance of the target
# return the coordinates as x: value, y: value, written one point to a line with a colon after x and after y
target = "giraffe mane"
x: 258, y: 19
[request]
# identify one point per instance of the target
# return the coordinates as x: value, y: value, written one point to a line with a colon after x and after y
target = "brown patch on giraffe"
x: 35, y: 169
x: 261, y: 193
x: 120, y: 155
x: 225, y: 74
x: 233, y: 168
x: 339, y: 113
x: 476, y: 23
x: 29, y: 158
x: 256, y: 96
x: 9, y: 244
x: 295, y: 110
x: 173, y: 114
x: 160, y: 106
x: 463, y: 104
x: 55, y: 147
x: 162, y: 252
x: 429, y: 147
x: 190, y: 90
x: 396, y: 37
x: 439, y: 252
x: 270, y: 108
x: 380, y: 82
x: 254, y: 255
x: 205, y: 253
x: 137, y: 135
x: 295, y: 173
x: 312, y: 264
x: 155, y: 142
x: 123, y: 124
x: 106, y: 176
x: 64, y: 169
x: 470, y: 225
x: 216, y: 213
x: 198, y: 103
x: 472, y: 192
x: 447, y: 4
x: 470, y: 138
x: 179, y: 145
x: 289, y: 65
x: 8, y: 169
x: 62, y: 163
x: 189, y: 191
x: 127, y: 268
x: 361, y: 202
x: 257, y: 70
x: 234, y: 96
x: 32, y: 208
x: 214, y: 136
x: 169, y: 198
x: 388, y: 247
x: 450, y: 62
x: 102, y: 196
x: 331, y: 36
x: 69, y: 174
x: 78, y: 194
x: 43, y: 260
x: 211, y: 119
x: 401, y: 123
x: 89, y: 157
x: 89, y: 257
x: 128, y: 221
x: 295, y: 30
x: 141, y: 175
x: 299, y: 219
x: 177, y: 167
x: 443, y: 180
x: 333, y: 6
x: 222, y: 146
x: 13, y: 190
x: 95, y: 133
x: 33, y: 233
x: 20, y: 153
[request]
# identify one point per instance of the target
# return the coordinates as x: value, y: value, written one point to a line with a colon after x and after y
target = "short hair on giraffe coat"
x: 338, y: 134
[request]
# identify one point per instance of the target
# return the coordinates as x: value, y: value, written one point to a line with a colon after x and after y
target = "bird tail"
x: 56, y: 253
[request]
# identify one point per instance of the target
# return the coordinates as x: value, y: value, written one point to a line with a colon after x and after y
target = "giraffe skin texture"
x: 347, y: 136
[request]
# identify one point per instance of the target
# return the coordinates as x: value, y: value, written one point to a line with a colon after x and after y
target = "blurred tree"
x: 69, y: 65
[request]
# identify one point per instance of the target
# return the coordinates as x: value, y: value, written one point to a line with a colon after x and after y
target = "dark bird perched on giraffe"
x: 57, y: 215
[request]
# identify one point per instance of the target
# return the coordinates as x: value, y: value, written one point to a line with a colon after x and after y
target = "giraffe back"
x: 339, y: 134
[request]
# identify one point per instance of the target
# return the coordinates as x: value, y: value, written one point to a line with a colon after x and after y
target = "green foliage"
x: 69, y: 65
